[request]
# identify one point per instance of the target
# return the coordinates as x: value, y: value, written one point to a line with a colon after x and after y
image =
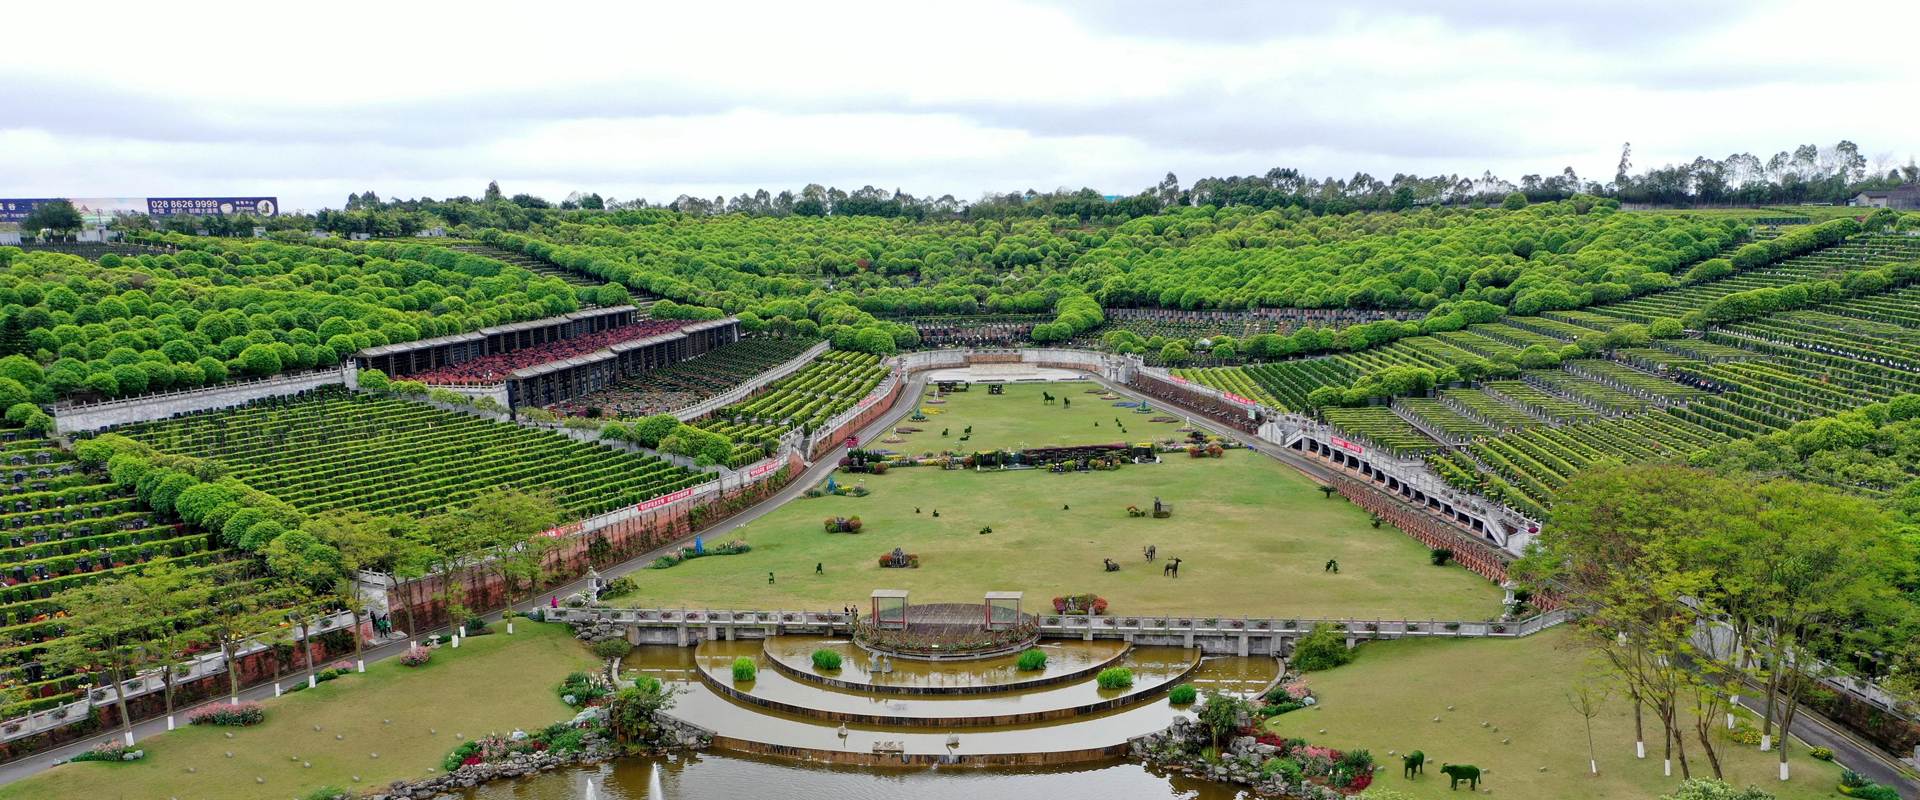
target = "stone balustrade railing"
x: 1070, y: 624
x: 152, y: 680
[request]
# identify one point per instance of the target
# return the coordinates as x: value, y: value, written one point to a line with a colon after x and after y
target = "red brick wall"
x: 627, y: 539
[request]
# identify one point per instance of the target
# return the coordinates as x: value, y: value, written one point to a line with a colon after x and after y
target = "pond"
x: 715, y: 776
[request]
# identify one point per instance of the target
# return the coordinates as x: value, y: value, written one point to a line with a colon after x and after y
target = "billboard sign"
x: 1347, y: 446
x: 101, y: 210
x: 211, y: 206
x: 94, y: 210
x: 16, y: 209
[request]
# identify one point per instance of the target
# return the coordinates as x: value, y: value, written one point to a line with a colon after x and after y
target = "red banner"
x: 564, y: 530
x: 1238, y: 399
x: 1346, y: 445
x: 763, y: 469
x: 665, y: 499
x: 1177, y: 379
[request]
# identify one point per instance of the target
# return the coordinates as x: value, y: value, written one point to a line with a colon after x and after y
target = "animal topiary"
x: 1413, y: 762
x: 1461, y: 772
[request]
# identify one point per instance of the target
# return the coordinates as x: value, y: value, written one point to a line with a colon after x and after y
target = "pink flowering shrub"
x: 248, y: 713
x: 417, y: 656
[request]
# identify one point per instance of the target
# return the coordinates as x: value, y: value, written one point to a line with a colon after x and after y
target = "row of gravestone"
x: 57, y: 548
x: 21, y: 475
x: 24, y: 516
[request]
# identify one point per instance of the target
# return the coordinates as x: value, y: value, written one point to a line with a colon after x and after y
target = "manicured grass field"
x: 1387, y: 699
x: 1254, y: 536
x: 1022, y: 418
x: 491, y: 684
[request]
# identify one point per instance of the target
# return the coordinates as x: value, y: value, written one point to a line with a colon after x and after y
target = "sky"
x: 310, y: 102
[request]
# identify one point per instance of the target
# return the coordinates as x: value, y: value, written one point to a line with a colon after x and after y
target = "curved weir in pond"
x: 1155, y: 669
x: 1066, y: 661
x: 896, y: 730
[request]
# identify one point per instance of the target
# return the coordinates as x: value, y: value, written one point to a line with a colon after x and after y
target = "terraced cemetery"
x: 1519, y: 437
x: 339, y: 450
x: 831, y: 384
x: 681, y: 385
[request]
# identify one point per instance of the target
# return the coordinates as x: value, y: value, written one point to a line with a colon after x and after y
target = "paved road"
x: 815, y: 474
x: 1849, y: 749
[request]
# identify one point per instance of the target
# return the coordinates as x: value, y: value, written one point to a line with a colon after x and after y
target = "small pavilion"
x: 889, y: 609
x: 1003, y: 610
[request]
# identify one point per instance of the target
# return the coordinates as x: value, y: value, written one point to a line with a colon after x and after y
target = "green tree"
x: 1325, y: 647
x: 235, y: 618
x: 631, y: 716
x: 1514, y: 201
x: 1221, y: 714
x: 58, y: 216
x: 101, y: 634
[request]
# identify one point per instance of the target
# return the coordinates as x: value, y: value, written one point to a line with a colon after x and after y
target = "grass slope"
x: 491, y: 684
x: 1387, y: 699
x: 1021, y: 418
x: 1254, y: 535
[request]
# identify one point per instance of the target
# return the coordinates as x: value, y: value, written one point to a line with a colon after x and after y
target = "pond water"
x: 712, y: 776
x: 889, y: 717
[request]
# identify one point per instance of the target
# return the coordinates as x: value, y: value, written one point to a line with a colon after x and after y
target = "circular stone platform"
x: 1066, y: 661
x: 948, y: 632
x: 1155, y: 669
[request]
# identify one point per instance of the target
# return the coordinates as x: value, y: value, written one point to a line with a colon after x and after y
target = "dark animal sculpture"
x: 1461, y: 772
x: 1413, y: 762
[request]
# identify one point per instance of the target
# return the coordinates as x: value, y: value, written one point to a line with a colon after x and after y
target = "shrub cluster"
x: 1032, y: 659
x: 241, y: 715
x: 1114, y: 678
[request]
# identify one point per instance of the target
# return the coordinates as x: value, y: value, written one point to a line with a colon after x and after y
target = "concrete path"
x: 907, y: 401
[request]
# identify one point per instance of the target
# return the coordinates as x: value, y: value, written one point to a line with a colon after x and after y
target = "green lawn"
x: 1387, y: 699
x: 1254, y: 536
x: 1022, y: 418
x: 491, y: 684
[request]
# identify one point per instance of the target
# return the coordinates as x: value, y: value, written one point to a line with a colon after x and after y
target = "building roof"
x: 709, y: 324
x: 474, y: 336
x: 879, y: 594
x: 419, y: 344
x: 1005, y: 595
x: 1905, y: 189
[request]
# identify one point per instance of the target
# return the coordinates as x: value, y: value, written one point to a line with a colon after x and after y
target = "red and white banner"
x: 763, y: 469
x: 564, y: 530
x: 665, y: 499
x: 1177, y: 379
x: 1238, y: 399
x: 1346, y: 445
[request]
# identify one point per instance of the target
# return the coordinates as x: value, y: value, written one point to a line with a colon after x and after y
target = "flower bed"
x: 734, y: 547
x: 242, y: 715
x: 416, y: 656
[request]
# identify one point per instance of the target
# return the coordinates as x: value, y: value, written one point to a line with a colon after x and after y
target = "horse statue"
x: 1461, y: 772
x: 1413, y: 762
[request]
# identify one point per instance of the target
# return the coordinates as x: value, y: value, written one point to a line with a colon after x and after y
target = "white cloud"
x: 629, y: 100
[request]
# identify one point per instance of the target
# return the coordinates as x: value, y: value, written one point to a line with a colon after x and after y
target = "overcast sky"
x: 308, y: 102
